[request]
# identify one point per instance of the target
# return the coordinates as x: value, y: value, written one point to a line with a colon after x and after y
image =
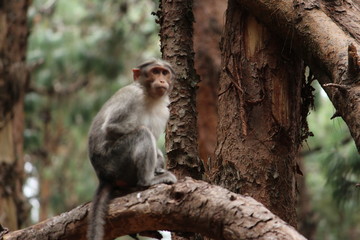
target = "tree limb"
x: 325, y: 45
x: 61, y: 90
x: 188, y: 206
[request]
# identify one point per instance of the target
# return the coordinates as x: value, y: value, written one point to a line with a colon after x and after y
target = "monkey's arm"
x: 160, y: 163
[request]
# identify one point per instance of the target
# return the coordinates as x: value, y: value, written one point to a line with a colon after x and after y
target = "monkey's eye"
x: 165, y: 72
x: 155, y: 71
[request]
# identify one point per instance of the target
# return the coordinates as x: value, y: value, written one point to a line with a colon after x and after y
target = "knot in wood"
x: 232, y: 198
x: 177, y: 195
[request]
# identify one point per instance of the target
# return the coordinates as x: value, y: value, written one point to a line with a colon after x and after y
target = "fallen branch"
x: 188, y: 206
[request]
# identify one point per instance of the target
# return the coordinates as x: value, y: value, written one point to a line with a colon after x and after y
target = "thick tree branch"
x: 188, y: 206
x: 326, y: 46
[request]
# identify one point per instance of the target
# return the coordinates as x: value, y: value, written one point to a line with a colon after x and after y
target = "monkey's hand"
x: 170, y: 178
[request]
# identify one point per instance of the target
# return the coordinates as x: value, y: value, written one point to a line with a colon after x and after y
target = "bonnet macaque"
x: 123, y: 136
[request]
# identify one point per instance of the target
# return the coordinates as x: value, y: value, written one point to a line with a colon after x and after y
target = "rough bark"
x: 176, y: 19
x: 259, y: 129
x: 208, y: 26
x: 13, y: 78
x: 326, y: 35
x: 189, y: 205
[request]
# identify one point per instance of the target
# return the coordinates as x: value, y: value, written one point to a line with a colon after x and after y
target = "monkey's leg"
x: 160, y: 163
x: 145, y: 158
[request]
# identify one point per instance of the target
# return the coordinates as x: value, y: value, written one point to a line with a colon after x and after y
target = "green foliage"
x: 333, y: 170
x: 82, y: 52
x: 343, y: 173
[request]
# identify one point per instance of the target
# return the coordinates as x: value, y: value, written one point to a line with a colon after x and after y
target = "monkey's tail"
x: 98, y: 210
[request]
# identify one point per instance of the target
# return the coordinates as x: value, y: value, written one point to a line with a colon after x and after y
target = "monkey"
x: 122, y: 138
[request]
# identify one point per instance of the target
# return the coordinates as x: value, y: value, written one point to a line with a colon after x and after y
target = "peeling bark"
x: 176, y: 29
x: 326, y: 35
x: 190, y: 206
x: 260, y: 122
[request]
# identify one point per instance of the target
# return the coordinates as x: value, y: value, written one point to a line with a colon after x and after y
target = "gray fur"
x: 97, y: 214
x: 122, y: 145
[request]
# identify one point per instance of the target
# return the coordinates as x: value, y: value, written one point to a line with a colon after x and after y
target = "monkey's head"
x: 156, y: 76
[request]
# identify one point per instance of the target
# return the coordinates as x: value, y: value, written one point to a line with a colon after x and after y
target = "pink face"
x: 157, y: 80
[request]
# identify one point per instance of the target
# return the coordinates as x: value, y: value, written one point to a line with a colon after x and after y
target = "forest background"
x: 82, y: 51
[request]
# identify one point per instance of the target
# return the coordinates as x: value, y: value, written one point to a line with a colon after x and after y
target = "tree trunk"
x: 13, y: 78
x: 176, y: 19
x: 208, y: 28
x: 259, y: 131
x: 326, y: 35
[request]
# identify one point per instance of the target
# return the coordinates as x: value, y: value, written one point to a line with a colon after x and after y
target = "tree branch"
x: 326, y: 46
x: 188, y: 206
x: 61, y: 90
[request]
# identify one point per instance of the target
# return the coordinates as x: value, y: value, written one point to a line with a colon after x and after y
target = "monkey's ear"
x: 136, y: 73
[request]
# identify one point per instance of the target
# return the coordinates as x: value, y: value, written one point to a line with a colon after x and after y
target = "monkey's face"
x: 158, y: 81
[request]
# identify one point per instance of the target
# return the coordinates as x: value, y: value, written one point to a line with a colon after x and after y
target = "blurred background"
x: 82, y: 51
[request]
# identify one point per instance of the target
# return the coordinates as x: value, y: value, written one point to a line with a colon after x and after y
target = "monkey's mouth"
x: 161, y: 90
